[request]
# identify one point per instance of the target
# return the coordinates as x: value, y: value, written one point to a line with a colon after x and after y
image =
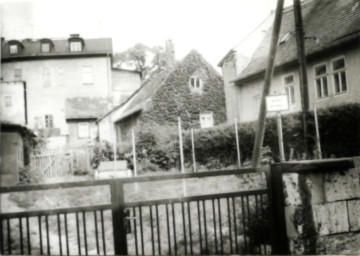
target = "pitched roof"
x: 32, y: 48
x: 149, y: 87
x: 86, y: 107
x: 327, y: 23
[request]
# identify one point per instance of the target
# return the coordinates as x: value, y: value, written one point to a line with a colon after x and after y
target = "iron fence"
x: 224, y: 223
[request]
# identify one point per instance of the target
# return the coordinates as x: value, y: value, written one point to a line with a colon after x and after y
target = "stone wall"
x: 322, y: 208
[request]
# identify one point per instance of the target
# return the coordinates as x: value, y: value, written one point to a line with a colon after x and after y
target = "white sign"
x: 277, y: 103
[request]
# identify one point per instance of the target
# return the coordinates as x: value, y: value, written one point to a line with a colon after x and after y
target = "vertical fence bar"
x: 21, y: 237
x: 190, y: 233
x: 47, y: 234
x: 28, y: 235
x: 66, y: 235
x: 205, y: 229
x: 103, y: 231
x: 141, y: 231
x: 85, y: 234
x: 220, y: 227
x: 152, y: 231
x: 78, y: 233
x: 158, y: 228
x: 59, y: 232
x: 235, y: 226
x: 244, y: 223
x: 1, y: 237
x: 199, y: 222
x: 168, y: 228
x: 117, y: 200
x: 174, y: 227
x: 249, y: 218
x: 184, y: 226
x: 8, y: 235
x: 214, y: 222
x: 229, y: 223
x: 96, y: 233
x: 40, y: 236
x: 135, y: 232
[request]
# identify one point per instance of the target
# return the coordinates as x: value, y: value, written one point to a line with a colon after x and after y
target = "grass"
x: 37, y: 200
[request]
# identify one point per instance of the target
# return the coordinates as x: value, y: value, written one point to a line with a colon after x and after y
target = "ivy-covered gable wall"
x: 176, y: 96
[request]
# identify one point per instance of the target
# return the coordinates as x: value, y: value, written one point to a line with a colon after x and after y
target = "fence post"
x: 118, y: 217
x: 279, y: 241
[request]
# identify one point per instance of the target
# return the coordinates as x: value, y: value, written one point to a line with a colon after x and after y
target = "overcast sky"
x: 212, y: 27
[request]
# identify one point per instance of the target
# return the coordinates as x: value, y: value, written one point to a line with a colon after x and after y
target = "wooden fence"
x: 62, y: 162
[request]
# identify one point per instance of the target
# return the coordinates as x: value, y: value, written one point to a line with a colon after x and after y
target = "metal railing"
x: 226, y: 223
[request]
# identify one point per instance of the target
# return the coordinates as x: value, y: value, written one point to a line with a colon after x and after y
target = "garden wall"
x: 321, y: 202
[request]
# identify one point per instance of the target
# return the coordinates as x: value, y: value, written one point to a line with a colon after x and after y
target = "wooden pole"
x: 181, y: 146
x: 318, y: 144
x: 134, y: 151
x: 115, y: 153
x: 181, y: 155
x: 302, y: 70
x: 280, y: 137
x: 193, y: 149
x: 266, y: 89
x: 237, y: 143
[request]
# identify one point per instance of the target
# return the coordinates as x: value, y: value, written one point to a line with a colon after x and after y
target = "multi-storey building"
x: 56, y: 70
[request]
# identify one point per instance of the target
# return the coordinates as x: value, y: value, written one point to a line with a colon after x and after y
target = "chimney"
x: 170, y: 53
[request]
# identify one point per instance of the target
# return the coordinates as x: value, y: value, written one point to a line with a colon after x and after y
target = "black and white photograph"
x: 180, y: 127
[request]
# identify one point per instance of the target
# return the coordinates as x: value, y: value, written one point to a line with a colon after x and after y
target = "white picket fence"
x: 62, y: 162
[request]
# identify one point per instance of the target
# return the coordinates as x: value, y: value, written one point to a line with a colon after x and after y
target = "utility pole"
x: 260, y: 131
x: 302, y: 71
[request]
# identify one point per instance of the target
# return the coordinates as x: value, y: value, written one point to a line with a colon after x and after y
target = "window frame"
x: 76, y: 46
x: 45, y: 44
x: 316, y: 77
x: 289, y: 86
x: 49, y: 121
x: 197, y: 81
x: 14, y: 49
x: 339, y: 71
x: 206, y: 115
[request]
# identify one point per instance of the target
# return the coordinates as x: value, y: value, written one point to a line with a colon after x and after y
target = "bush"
x: 104, y: 151
x: 29, y: 176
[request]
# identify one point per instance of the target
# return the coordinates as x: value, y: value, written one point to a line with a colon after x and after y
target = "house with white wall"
x: 332, y: 48
x: 55, y: 70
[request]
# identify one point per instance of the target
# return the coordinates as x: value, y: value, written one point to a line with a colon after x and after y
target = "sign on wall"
x: 277, y: 103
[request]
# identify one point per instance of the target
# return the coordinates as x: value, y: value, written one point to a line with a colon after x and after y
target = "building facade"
x: 57, y: 70
x: 332, y: 48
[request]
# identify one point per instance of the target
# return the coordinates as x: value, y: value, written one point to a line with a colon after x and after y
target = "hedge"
x: 339, y: 134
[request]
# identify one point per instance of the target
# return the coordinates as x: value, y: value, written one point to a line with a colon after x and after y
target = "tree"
x: 146, y: 60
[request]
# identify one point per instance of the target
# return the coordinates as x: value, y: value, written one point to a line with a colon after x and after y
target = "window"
x: 195, y: 84
x: 17, y: 74
x: 38, y: 123
x: 46, y: 76
x: 75, y: 46
x: 8, y: 102
x: 13, y: 49
x: 83, y: 130
x: 49, y: 123
x: 339, y: 76
x: 321, y: 82
x: 87, y: 75
x: 290, y: 88
x: 45, y: 47
x: 206, y: 120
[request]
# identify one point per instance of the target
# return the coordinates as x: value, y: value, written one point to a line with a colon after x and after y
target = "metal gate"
x: 222, y: 223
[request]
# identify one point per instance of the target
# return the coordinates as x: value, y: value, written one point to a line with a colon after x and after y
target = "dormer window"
x: 195, y: 84
x: 45, y: 47
x: 75, y: 46
x: 14, y: 49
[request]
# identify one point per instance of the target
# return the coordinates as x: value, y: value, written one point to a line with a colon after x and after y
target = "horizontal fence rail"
x: 225, y: 223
